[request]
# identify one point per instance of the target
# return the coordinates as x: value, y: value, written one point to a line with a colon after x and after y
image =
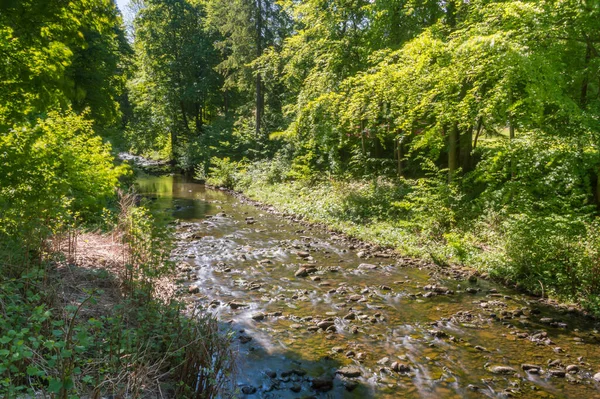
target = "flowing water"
x: 357, y: 323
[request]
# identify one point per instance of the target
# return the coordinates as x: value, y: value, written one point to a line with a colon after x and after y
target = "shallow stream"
x: 318, y: 315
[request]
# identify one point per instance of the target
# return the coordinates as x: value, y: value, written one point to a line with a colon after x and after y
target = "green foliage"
x: 60, y: 54
x: 52, y: 173
x: 174, y: 87
x: 140, y: 342
x: 223, y: 172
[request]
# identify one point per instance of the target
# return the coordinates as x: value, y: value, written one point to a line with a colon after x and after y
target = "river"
x: 317, y: 315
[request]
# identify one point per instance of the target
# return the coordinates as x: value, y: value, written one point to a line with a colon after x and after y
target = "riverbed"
x: 315, y: 314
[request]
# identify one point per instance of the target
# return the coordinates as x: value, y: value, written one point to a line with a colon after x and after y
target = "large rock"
x: 596, y: 377
x: 349, y: 371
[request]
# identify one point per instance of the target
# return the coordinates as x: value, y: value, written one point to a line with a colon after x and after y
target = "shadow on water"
x: 411, y: 331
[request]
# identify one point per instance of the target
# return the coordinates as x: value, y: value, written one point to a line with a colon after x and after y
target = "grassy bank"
x: 96, y: 314
x: 547, y: 254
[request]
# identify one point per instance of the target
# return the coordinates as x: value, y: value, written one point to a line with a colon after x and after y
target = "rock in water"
x: 248, y: 390
x: 258, y: 316
x: 367, y: 266
x: 502, y: 369
x: 322, y: 384
x: 349, y: 371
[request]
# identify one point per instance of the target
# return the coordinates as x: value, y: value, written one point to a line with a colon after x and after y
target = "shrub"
x: 223, y: 172
x: 52, y: 173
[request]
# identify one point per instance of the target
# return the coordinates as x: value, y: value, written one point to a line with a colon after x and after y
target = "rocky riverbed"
x: 316, y: 314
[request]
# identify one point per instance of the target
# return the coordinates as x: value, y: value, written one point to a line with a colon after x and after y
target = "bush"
x: 52, y: 174
x: 223, y: 172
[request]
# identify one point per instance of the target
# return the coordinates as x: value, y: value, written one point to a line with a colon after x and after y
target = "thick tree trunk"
x: 452, y: 151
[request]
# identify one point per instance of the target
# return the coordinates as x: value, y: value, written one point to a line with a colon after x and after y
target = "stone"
x: 244, y: 339
x: 355, y: 298
x: 237, y: 305
x: 383, y: 360
x: 350, y: 316
x: 301, y: 272
x: 438, y: 333
x: 296, y: 388
x: 303, y: 254
x: 530, y: 367
x: 194, y: 289
x: 502, y: 370
x: 349, y: 371
x: 258, y: 316
x: 596, y: 377
x: 322, y: 384
x: 248, y: 390
x: 325, y: 324
x: 572, y: 368
x: 400, y: 367
x: 557, y: 373
x: 367, y: 266
x: 337, y: 349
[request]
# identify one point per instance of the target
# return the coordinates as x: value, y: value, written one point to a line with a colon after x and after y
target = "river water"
x: 357, y: 323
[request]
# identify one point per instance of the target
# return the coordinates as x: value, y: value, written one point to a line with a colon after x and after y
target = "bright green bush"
x: 52, y: 173
x: 223, y: 172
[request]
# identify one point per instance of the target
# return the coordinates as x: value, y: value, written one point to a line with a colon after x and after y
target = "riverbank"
x: 99, y: 315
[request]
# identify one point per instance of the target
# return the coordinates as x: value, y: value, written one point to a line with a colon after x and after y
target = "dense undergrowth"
x: 80, y: 323
x: 539, y: 241
x: 85, y: 322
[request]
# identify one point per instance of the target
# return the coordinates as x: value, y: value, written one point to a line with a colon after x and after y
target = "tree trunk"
x: 585, y: 82
x: 466, y: 147
x: 479, y: 128
x: 511, y: 136
x: 184, y: 116
x: 260, y: 97
x: 399, y: 155
x: 452, y: 151
x: 199, y: 112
